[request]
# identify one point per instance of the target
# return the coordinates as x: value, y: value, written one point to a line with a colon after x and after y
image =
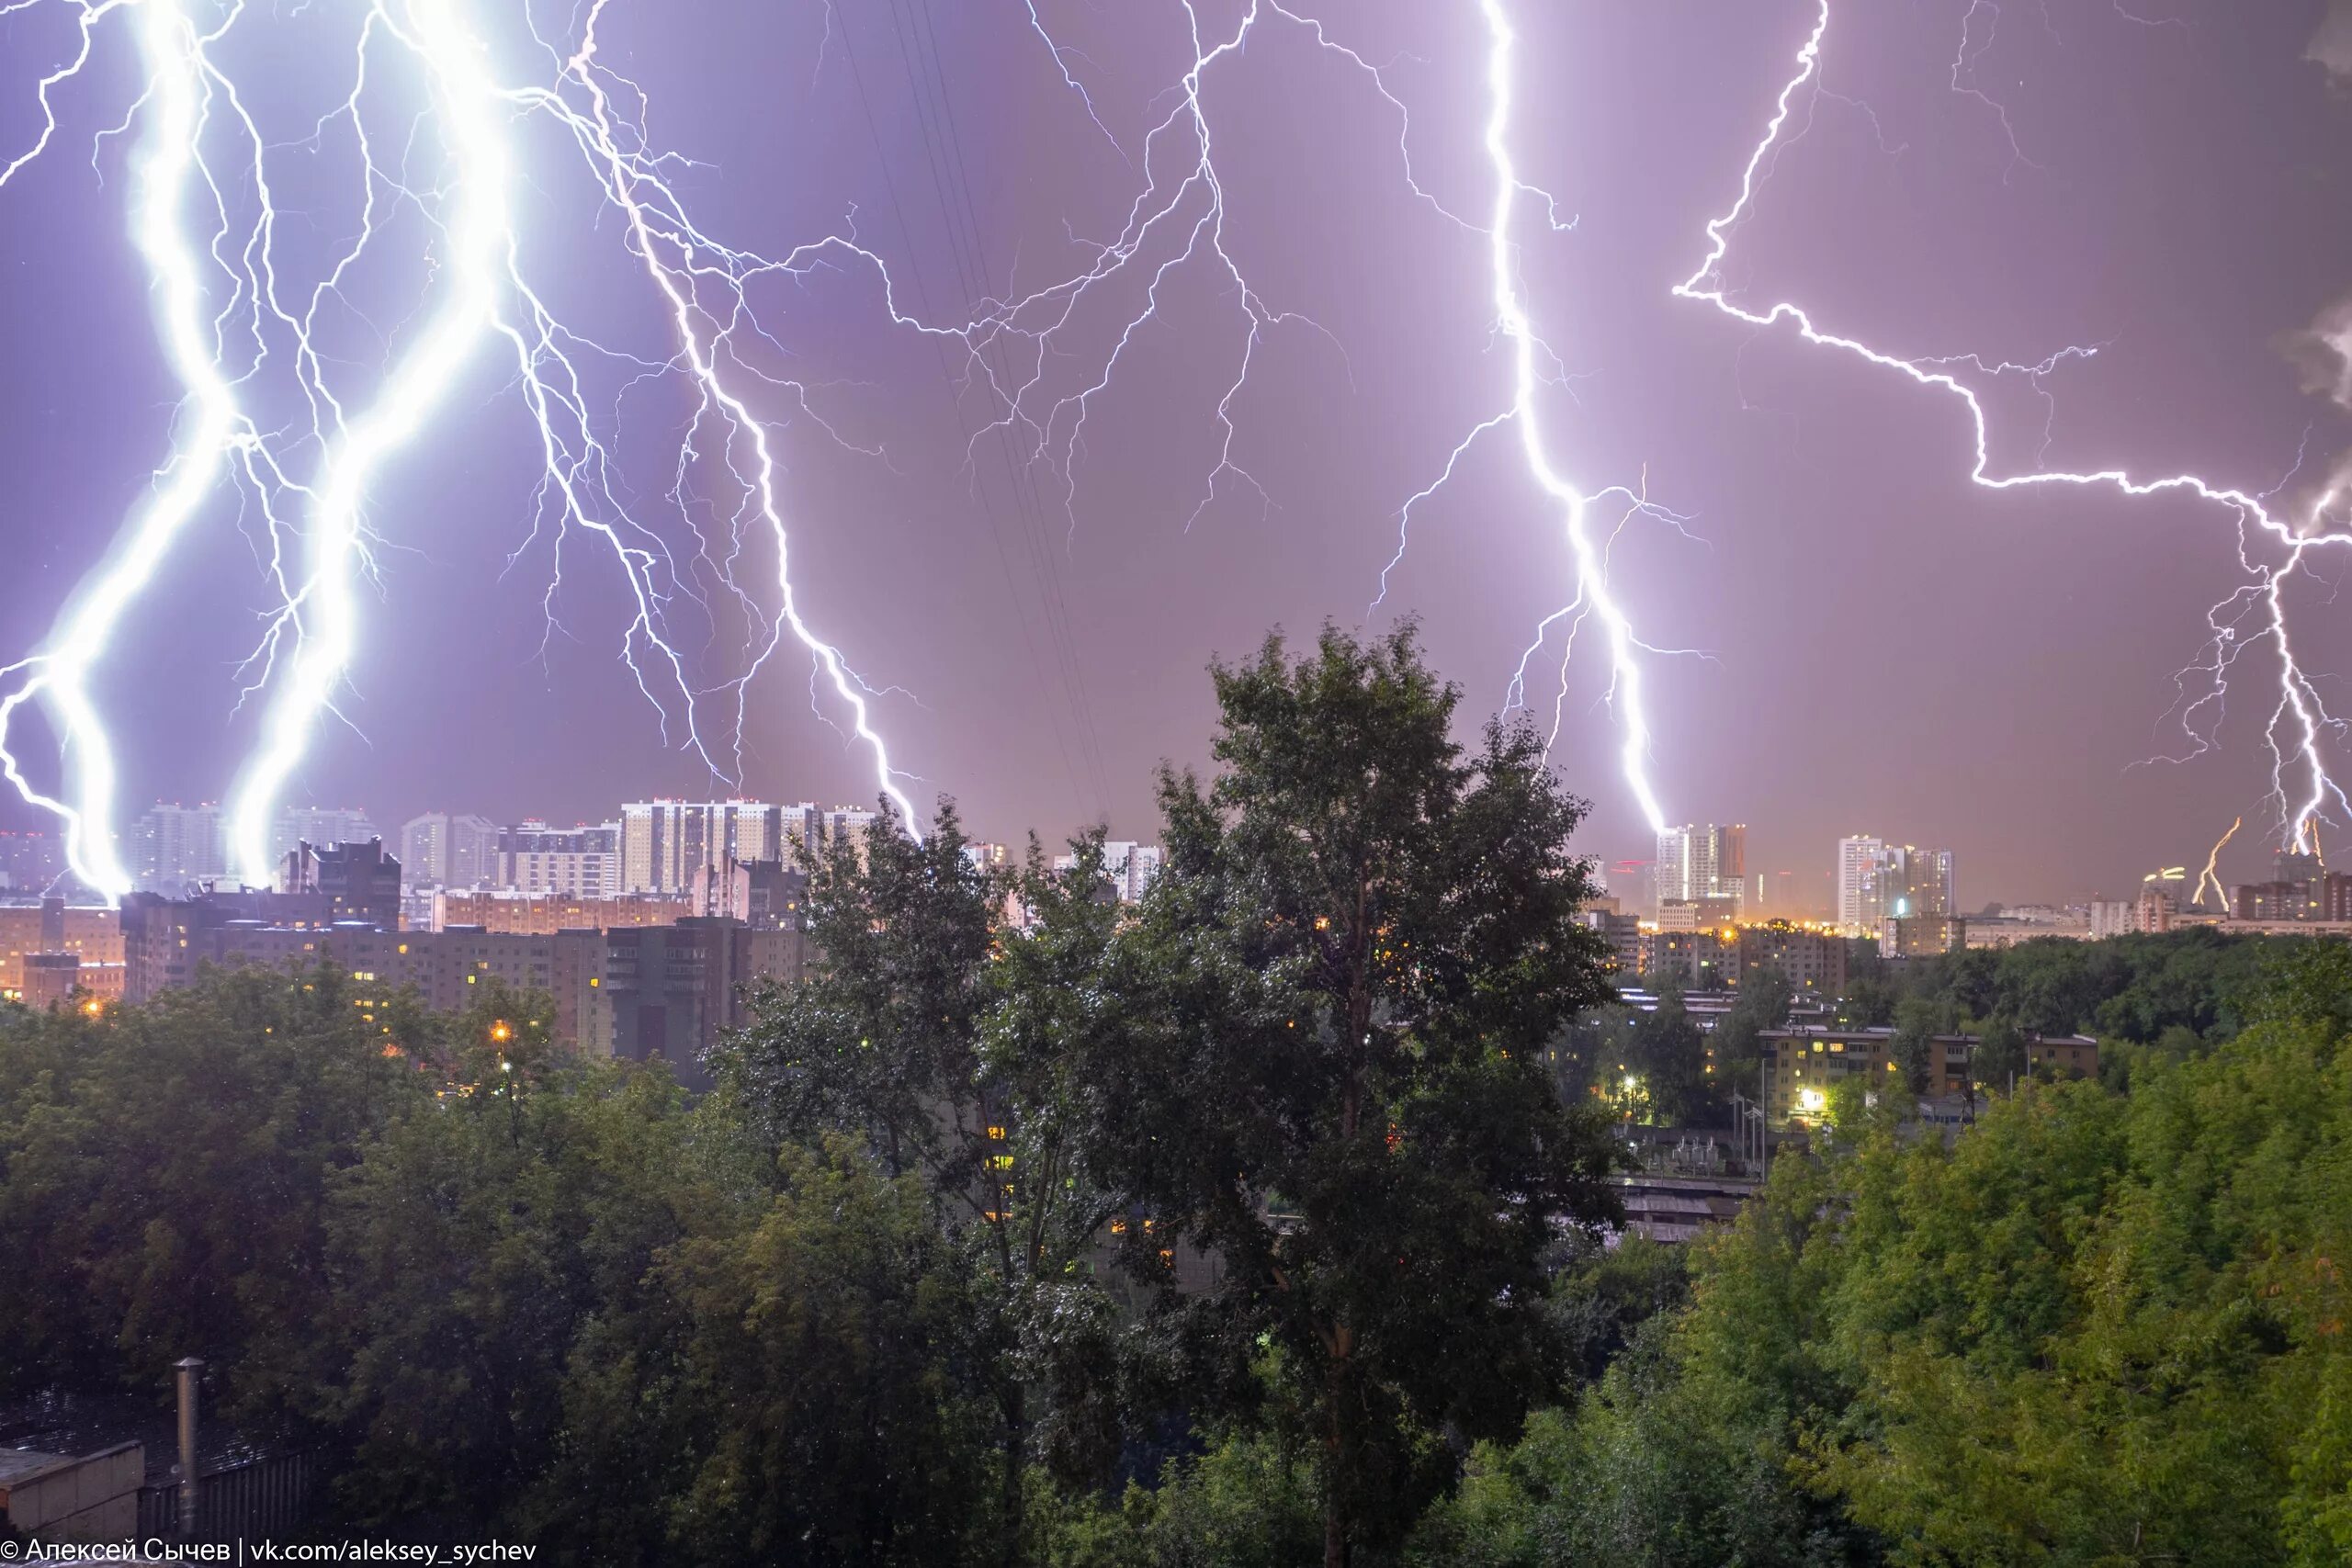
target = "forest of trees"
x: 905, y: 1289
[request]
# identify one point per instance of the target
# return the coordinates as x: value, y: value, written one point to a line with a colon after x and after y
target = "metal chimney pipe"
x: 188, y: 1367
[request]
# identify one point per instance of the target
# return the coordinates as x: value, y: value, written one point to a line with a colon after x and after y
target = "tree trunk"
x: 1016, y: 1444
x: 1339, y: 1460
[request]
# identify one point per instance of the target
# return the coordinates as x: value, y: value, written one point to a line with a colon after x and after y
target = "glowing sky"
x: 1892, y: 651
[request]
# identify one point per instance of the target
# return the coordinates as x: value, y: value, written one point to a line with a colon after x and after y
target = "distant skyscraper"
x: 321, y: 827
x: 446, y: 851
x: 820, y: 826
x: 1129, y: 866
x: 1921, y: 883
x: 1696, y: 863
x: 1862, y: 878
x: 665, y: 842
x: 31, y: 861
x: 174, y: 846
x: 1878, y: 881
x: 579, y: 862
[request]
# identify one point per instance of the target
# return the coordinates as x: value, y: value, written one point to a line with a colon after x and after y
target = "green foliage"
x: 827, y: 1346
x: 949, y: 1046
x: 1668, y: 1060
x: 1600, y: 1297
x: 475, y: 1249
x: 165, y: 1176
x: 1245, y: 1502
x: 1321, y: 1058
x: 1763, y: 1003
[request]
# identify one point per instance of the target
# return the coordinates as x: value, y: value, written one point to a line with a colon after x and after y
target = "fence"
x: 250, y: 1500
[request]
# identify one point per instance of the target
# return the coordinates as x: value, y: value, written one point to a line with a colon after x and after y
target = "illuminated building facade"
x: 665, y: 842
x: 579, y: 862
x: 442, y: 849
x: 1802, y: 1067
x: 1697, y: 863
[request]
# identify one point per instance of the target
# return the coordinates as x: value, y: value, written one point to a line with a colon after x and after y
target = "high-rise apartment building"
x: 1129, y: 867
x: 445, y: 850
x: 1878, y: 881
x: 176, y: 847
x: 818, y: 827
x: 665, y: 842
x: 579, y: 862
x: 321, y: 827
x: 31, y: 861
x: 1702, y: 862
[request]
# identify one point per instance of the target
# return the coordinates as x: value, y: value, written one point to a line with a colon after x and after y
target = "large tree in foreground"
x: 1320, y: 1062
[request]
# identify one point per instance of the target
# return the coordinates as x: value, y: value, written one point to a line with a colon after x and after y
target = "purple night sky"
x: 1889, y: 649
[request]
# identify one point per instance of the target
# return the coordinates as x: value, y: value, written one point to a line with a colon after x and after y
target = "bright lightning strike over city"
x: 981, y: 784
x: 1815, y: 420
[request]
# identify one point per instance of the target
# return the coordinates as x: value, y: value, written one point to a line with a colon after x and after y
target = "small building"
x: 1801, y: 1066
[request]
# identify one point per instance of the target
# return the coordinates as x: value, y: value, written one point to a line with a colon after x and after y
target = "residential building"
x: 1696, y: 914
x: 665, y: 842
x: 766, y: 894
x: 1920, y: 936
x: 358, y: 881
x: 1634, y: 884
x: 579, y: 862
x: 1801, y: 1067
x: 442, y: 849
x: 2267, y: 901
x: 1812, y: 962
x: 544, y: 914
x: 322, y: 826
x: 1129, y: 867
x: 177, y: 846
x: 1702, y: 863
x: 1623, y: 935
x: 29, y: 862
x: 818, y: 826
x: 1699, y: 959
x: 88, y: 935
x: 1877, y: 881
x: 672, y: 990
x: 59, y: 979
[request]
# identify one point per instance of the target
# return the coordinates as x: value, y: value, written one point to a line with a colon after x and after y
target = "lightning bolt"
x: 1595, y: 598
x: 211, y: 432
x: 2209, y: 876
x: 2298, y: 721
x: 223, y: 324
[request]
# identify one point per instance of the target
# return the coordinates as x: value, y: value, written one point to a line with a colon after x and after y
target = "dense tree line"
x: 1262, y: 1222
x: 986, y: 1216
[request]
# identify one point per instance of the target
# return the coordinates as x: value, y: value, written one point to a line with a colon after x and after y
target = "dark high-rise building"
x: 671, y: 991
x: 359, y: 881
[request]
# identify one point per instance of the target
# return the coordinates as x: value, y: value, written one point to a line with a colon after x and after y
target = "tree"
x: 475, y: 1249
x: 1321, y: 1063
x: 1670, y: 1059
x: 165, y: 1176
x: 1763, y: 1003
x: 1917, y: 1021
x: 1999, y: 1060
x: 945, y: 1042
x: 825, y: 1348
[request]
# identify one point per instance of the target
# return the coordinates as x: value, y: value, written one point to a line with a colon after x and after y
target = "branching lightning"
x: 217, y: 272
x: 242, y: 323
x: 2303, y: 789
